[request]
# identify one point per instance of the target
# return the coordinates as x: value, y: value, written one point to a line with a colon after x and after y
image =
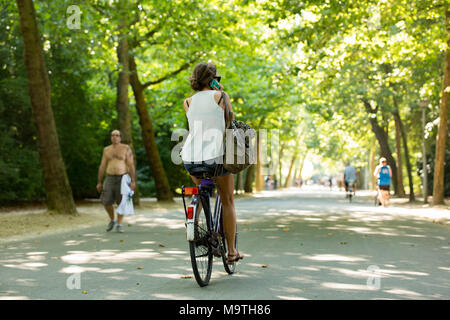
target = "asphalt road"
x: 298, y: 244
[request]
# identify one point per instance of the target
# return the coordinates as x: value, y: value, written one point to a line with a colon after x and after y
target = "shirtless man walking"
x: 117, y: 160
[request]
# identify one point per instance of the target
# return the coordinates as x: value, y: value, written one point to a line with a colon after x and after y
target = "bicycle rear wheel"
x: 200, y: 249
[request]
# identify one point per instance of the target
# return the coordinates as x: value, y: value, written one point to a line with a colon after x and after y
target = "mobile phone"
x: 214, y: 84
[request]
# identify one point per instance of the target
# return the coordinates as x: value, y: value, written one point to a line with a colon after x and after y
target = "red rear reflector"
x: 190, y: 190
x: 190, y: 212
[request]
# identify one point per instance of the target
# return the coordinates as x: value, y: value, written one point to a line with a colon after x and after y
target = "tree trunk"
x: 123, y: 112
x: 406, y: 150
x: 248, y: 186
x: 259, y: 183
x: 295, y: 174
x: 59, y: 192
x: 438, y: 180
x: 382, y: 138
x: 122, y: 105
x: 163, y: 192
x: 373, y: 165
x: 280, y: 164
x: 237, y: 186
x: 288, y: 178
x: 300, y: 165
x: 398, y: 151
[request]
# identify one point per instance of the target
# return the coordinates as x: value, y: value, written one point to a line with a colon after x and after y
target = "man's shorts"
x: 111, y: 190
x: 384, y: 187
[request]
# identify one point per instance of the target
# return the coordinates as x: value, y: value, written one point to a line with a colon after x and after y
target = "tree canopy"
x: 335, y: 78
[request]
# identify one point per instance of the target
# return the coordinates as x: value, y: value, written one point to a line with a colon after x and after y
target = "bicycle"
x: 350, y: 192
x: 204, y: 229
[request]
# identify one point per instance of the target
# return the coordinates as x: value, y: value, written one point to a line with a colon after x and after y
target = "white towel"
x: 126, y: 205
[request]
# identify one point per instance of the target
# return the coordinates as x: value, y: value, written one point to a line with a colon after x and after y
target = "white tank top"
x: 206, y: 128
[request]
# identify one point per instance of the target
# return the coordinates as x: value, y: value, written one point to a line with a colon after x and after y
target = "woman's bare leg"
x: 226, y: 192
x: 196, y: 180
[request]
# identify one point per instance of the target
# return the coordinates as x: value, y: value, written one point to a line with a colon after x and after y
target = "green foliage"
x: 21, y: 177
x: 301, y: 67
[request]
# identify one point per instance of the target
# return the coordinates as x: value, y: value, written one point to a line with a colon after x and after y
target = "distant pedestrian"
x: 383, y: 173
x: 117, y: 161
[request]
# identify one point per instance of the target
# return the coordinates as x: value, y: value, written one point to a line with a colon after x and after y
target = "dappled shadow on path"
x: 312, y: 247
x: 335, y: 250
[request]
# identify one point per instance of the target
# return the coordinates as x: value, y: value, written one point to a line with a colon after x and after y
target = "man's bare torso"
x: 116, y: 156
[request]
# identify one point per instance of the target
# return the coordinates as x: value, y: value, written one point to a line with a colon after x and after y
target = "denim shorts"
x: 212, y: 165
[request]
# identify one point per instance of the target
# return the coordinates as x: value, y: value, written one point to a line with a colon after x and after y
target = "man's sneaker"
x: 110, y: 226
x: 119, y: 228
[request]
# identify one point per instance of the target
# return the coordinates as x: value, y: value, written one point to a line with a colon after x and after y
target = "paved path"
x: 298, y: 244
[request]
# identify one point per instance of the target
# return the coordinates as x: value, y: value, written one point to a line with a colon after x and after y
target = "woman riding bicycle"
x: 203, y: 146
x: 384, y: 174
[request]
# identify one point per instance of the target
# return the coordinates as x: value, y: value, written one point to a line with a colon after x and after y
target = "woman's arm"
x: 185, y: 104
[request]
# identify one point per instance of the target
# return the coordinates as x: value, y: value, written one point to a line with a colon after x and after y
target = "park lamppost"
x: 424, y: 104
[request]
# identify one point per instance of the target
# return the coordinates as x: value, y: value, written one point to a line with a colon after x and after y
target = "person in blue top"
x: 383, y: 173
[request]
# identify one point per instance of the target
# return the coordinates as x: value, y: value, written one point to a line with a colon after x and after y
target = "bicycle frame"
x: 351, y: 185
x: 211, y: 236
x: 204, y: 193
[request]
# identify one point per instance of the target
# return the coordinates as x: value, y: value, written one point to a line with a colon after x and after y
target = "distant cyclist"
x: 383, y: 173
x: 349, y: 177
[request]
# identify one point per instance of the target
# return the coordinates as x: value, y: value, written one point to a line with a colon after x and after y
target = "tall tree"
x: 287, y: 182
x: 382, y: 138
x: 249, y: 177
x: 399, y: 127
x: 59, y: 192
x: 123, y: 81
x: 398, y: 151
x: 438, y: 181
x: 163, y: 191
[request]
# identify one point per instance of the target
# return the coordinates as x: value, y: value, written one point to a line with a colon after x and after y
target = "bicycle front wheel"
x: 200, y: 249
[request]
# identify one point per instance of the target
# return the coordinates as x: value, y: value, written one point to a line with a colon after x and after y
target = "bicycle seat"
x: 202, y: 172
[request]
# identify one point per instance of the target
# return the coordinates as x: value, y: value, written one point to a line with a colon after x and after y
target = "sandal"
x: 232, y: 258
